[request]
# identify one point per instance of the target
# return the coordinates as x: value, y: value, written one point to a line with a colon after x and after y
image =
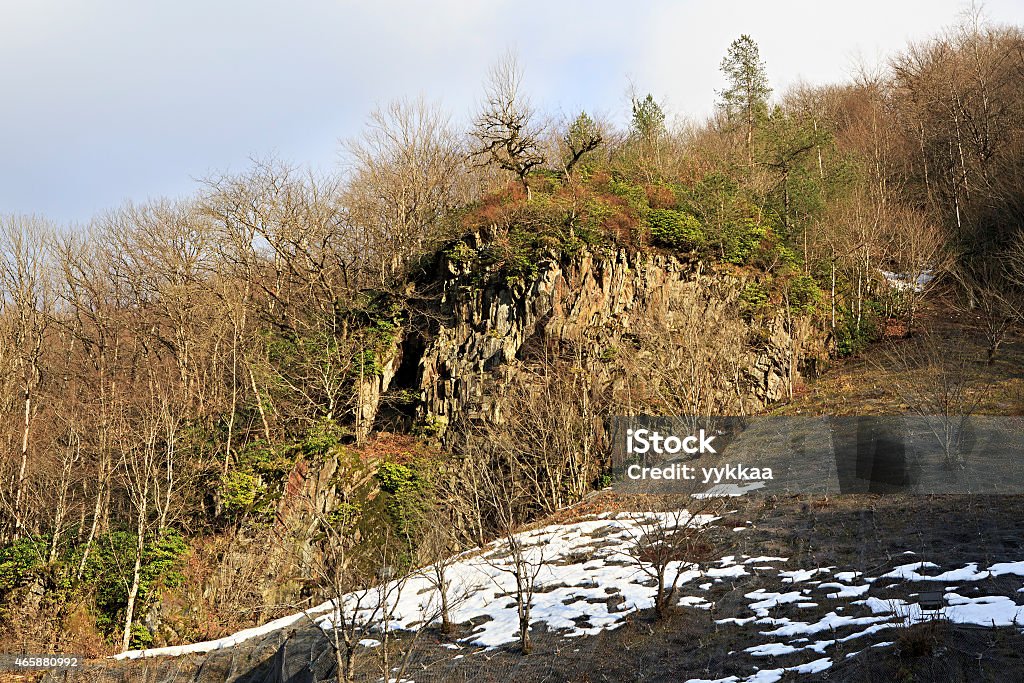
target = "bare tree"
x: 137, y: 466
x: 364, y: 577
x: 939, y: 383
x: 548, y: 432
x: 504, y: 130
x: 337, y: 572
x: 440, y: 547
x: 68, y: 447
x: 285, y: 231
x: 521, y: 559
x: 93, y: 298
x: 662, y: 543
x: 684, y: 365
x: 406, y: 176
x: 26, y: 296
x: 988, y: 294
x: 917, y: 253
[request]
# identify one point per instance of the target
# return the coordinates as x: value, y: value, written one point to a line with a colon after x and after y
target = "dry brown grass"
x: 868, y: 384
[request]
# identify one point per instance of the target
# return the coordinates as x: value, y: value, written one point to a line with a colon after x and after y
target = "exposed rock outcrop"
x: 595, y: 301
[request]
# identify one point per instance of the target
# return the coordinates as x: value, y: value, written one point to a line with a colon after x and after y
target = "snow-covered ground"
x: 589, y: 581
x: 905, y: 281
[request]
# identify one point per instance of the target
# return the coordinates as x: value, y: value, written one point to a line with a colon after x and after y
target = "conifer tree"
x: 745, y: 100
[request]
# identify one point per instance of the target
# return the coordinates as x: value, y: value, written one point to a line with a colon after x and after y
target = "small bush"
x: 610, y: 215
x: 321, y: 437
x: 394, y: 477
x: 19, y: 559
x: 852, y: 338
x: 250, y: 490
x: 675, y: 229
x: 664, y: 196
x: 239, y: 491
x: 141, y: 638
x: 460, y: 253
x: 753, y: 298
x: 804, y: 294
x: 634, y: 195
x: 406, y: 497
x: 109, y: 571
x: 742, y: 241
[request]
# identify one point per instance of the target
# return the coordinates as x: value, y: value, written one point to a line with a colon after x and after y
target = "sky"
x: 107, y: 101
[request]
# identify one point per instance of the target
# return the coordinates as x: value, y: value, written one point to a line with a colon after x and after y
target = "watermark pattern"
x: 39, y: 662
x: 823, y: 455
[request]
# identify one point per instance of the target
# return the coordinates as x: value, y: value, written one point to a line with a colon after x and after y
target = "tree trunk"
x: 442, y: 587
x: 19, y: 521
x: 660, y: 598
x: 524, y: 629
x: 133, y: 591
x: 96, y: 514
x: 833, y: 295
x: 62, y: 501
x: 259, y: 405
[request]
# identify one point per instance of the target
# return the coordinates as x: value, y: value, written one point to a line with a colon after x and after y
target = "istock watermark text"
x: 643, y: 441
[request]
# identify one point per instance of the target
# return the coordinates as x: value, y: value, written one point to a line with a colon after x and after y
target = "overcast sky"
x: 107, y: 100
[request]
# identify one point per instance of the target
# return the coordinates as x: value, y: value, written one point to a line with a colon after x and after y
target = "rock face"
x: 595, y: 303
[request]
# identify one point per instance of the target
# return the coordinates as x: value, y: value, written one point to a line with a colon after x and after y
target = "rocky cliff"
x: 602, y: 304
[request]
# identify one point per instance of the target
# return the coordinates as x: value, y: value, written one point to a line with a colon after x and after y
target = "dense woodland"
x: 163, y: 369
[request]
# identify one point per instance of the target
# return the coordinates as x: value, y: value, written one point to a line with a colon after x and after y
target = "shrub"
x: 741, y: 241
x: 19, y: 559
x: 109, y: 571
x: 141, y: 638
x: 675, y: 229
x: 460, y: 253
x: 394, y: 477
x: 753, y: 298
x: 634, y: 195
x: 664, y: 196
x: 804, y: 294
x: 239, y: 492
x: 252, y: 488
x: 610, y: 215
x: 406, y: 497
x: 324, y: 435
x: 852, y: 338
